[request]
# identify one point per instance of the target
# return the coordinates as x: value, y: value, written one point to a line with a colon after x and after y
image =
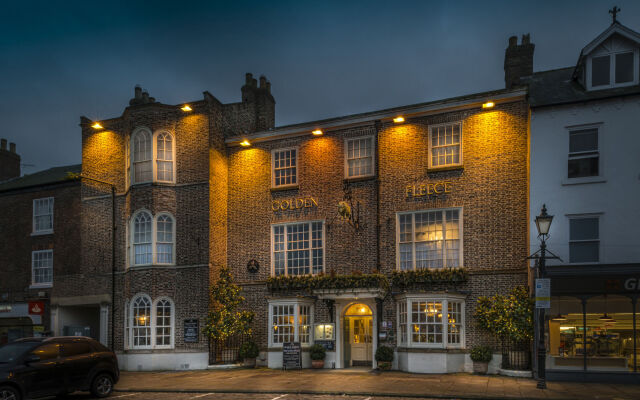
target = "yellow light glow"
x: 398, y: 119
x: 488, y: 104
x: 317, y: 132
x: 245, y: 143
x: 96, y: 125
x: 186, y: 108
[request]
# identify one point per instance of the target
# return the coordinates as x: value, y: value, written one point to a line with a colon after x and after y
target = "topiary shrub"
x: 384, y: 354
x: 482, y: 354
x: 317, y: 352
x: 248, y: 350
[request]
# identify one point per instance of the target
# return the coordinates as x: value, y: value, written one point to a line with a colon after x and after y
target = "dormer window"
x: 613, y: 64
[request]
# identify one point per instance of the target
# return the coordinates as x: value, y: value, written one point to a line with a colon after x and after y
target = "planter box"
x: 384, y: 365
x: 249, y: 362
x: 480, y: 368
x: 317, y: 364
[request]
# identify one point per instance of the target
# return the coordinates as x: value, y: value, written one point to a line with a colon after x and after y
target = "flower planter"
x: 249, y: 362
x: 317, y: 364
x: 384, y: 365
x: 480, y: 368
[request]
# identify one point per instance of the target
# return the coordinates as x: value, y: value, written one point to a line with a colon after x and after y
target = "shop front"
x: 592, y: 330
x: 18, y: 320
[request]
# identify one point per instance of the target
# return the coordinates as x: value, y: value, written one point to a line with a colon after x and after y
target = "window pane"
x: 445, y: 145
x: 600, y: 67
x: 284, y: 167
x: 584, y: 252
x: 583, y: 140
x: 42, y: 266
x: 282, y: 325
x: 454, y: 323
x: 163, y: 323
x: 46, y: 352
x: 624, y: 67
x: 583, y: 228
x: 583, y: 166
x: 75, y: 348
x: 359, y: 157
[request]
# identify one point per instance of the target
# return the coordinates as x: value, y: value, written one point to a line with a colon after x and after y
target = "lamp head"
x: 543, y: 221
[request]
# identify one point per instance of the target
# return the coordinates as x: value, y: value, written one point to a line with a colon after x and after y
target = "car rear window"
x: 12, y: 351
x: 75, y: 348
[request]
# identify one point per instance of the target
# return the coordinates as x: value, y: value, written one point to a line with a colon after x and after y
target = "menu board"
x: 191, y: 331
x: 329, y: 345
x: 291, y: 355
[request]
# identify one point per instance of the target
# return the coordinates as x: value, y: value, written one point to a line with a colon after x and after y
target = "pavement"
x: 305, y: 384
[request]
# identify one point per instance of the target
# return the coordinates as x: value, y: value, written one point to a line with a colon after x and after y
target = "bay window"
x: 150, y: 325
x: 431, y: 321
x: 290, y: 321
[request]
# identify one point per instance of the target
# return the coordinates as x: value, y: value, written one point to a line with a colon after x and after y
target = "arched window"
x: 164, y: 323
x: 142, y: 145
x: 142, y: 239
x: 164, y: 239
x: 164, y: 157
x: 140, y: 322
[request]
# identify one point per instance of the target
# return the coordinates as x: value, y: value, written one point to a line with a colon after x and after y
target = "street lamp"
x: 543, y: 223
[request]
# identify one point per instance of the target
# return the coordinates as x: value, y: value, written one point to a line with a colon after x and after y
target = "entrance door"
x: 358, y: 323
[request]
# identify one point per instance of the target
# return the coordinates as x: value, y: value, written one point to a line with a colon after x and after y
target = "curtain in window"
x: 142, y: 239
x: 164, y: 240
x: 164, y: 157
x: 142, y: 157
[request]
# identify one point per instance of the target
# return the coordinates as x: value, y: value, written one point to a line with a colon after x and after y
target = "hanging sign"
x: 36, y: 308
x: 543, y: 293
x: 428, y: 189
x: 291, y: 355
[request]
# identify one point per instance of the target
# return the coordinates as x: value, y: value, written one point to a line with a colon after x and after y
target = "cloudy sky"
x: 63, y: 59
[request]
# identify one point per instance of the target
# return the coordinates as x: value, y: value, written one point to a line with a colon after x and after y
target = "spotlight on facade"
x: 186, y: 108
x: 488, y: 104
x: 245, y: 143
x: 398, y: 119
x: 317, y: 132
x: 96, y: 125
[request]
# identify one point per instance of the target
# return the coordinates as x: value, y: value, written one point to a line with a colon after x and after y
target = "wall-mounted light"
x: 488, y: 104
x: 317, y: 132
x: 398, y: 119
x: 186, y: 108
x: 96, y: 125
x: 245, y: 143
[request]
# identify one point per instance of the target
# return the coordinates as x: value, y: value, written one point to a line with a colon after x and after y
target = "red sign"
x: 36, y: 308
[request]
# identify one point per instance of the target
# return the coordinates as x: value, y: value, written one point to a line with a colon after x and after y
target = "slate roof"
x: 46, y: 177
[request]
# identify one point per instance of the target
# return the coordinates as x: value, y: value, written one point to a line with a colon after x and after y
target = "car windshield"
x: 12, y: 351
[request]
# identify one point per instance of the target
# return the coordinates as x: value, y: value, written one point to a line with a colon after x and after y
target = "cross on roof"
x: 614, y: 12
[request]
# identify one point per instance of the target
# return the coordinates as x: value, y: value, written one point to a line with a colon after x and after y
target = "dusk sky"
x: 63, y: 59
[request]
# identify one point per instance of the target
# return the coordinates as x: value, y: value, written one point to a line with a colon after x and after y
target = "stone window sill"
x: 583, y: 180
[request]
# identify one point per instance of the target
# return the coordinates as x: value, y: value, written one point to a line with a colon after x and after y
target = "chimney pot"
x: 263, y: 82
x: 12, y: 147
x: 248, y: 78
x: 268, y: 87
x: 525, y: 39
x: 254, y: 82
x: 145, y: 96
x: 138, y: 92
x: 3, y: 144
x: 513, y: 41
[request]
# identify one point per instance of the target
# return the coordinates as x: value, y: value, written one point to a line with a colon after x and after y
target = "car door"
x: 43, y: 377
x: 76, y: 361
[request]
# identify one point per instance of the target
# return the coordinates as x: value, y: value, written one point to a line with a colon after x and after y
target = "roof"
x: 558, y: 87
x: 46, y: 177
x: 615, y: 27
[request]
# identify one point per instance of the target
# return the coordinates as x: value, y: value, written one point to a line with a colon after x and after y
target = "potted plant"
x: 317, y: 353
x: 248, y: 353
x: 384, y: 357
x: 481, y: 355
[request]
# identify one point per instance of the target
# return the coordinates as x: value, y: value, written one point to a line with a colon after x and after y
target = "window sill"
x: 416, y: 349
x: 42, y: 233
x: 274, y: 347
x: 149, y: 266
x: 360, y: 178
x: 41, y: 286
x: 448, y: 168
x: 583, y: 180
x: 284, y: 188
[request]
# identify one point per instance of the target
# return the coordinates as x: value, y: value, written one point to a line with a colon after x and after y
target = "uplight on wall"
x: 488, y: 104
x: 186, y: 108
x: 398, y: 119
x: 245, y: 143
x: 96, y: 125
x: 317, y: 132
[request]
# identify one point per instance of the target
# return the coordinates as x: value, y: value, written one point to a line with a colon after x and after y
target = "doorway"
x: 358, y: 329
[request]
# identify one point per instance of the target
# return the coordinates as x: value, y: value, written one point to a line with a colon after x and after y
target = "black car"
x: 39, y: 367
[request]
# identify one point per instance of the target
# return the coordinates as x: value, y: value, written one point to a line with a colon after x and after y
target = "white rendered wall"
x: 162, y: 361
x: 617, y: 198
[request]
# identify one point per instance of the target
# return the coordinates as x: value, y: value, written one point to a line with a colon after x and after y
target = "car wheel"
x: 9, y: 393
x: 102, y: 385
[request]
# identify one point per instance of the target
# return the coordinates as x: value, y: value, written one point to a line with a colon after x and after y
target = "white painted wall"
x: 171, y: 361
x: 617, y: 197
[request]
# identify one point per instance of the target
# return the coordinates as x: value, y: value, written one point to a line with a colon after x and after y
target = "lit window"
x: 285, y: 165
x: 141, y: 322
x: 429, y: 239
x: 298, y: 248
x: 142, y: 249
x: 429, y: 325
x: 43, y: 215
x: 142, y: 167
x: 445, y: 143
x: 42, y: 268
x: 584, y: 239
x: 164, y: 157
x: 290, y: 322
x: 359, y: 157
x: 147, y: 247
x: 584, y: 158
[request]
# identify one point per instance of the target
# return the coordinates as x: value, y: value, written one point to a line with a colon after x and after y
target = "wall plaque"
x: 191, y: 331
x: 291, y: 355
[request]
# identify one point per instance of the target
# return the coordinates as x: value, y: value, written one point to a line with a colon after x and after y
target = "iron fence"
x: 226, y: 351
x: 516, y: 355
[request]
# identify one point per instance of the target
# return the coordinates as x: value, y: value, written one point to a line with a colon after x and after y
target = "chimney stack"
x: 518, y: 61
x: 138, y: 92
x: 141, y: 97
x: 9, y: 161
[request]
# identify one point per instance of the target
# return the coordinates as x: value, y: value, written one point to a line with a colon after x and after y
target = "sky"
x: 60, y: 60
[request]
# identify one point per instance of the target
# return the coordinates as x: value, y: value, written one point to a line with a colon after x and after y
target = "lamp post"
x: 543, y: 223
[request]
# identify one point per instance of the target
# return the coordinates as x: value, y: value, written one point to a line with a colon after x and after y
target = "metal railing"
x: 226, y: 351
x: 516, y: 355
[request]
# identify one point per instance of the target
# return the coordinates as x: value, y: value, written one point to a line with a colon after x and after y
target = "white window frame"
x: 612, y: 69
x: 172, y: 326
x: 296, y: 313
x: 430, y: 147
x: 311, y: 248
x: 571, y: 156
x: 346, y: 157
x: 444, y: 299
x: 34, y: 231
x: 132, y: 152
x: 599, y: 240
x: 156, y: 159
x: 444, y: 238
x: 131, y: 326
x: 33, y: 267
x: 273, y: 167
x: 154, y: 238
x: 128, y: 326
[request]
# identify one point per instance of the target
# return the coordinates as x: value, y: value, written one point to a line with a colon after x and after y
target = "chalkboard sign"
x: 329, y: 345
x: 191, y: 331
x: 291, y: 355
